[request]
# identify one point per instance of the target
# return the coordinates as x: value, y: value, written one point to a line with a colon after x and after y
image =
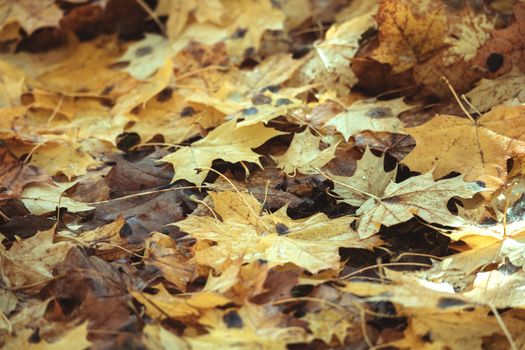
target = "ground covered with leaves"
x: 285, y: 174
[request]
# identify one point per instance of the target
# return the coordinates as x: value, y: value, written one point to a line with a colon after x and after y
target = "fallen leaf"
x: 45, y: 198
x: 245, y: 233
x: 16, y: 175
x: 370, y: 115
x: 491, y: 93
x: 74, y: 339
x: 477, y: 149
x: 225, y: 142
x: 144, y: 57
x: 304, y: 155
x: 384, y: 202
x: 171, y: 259
x: 251, y: 327
x: 29, y: 263
x: 30, y: 14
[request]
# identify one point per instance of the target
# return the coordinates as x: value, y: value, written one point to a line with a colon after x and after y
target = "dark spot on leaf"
x: 143, y: 51
x: 281, y: 228
x: 239, y: 33
x: 449, y: 302
x: 427, y: 338
x: 187, y: 112
x: 271, y: 88
x: 119, y: 65
x: 107, y: 102
x: 282, y: 102
x: 508, y: 268
x: 249, y: 52
x: 301, y: 290
x: 480, y: 184
x: 232, y: 319
x: 262, y: 261
x: 165, y: 95
x: 107, y: 90
x: 250, y: 111
x: 494, y: 62
x: 127, y: 140
x: 261, y: 99
x: 125, y: 231
x: 379, y: 112
x: 35, y: 336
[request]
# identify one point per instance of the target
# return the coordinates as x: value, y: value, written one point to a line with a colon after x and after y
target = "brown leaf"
x: 15, y: 175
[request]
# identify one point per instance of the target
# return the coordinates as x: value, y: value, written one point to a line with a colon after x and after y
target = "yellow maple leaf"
x: 251, y: 327
x: 479, y: 149
x: 384, y: 202
x: 30, y: 14
x: 304, y: 155
x: 370, y: 115
x: 225, y: 142
x: 408, y: 30
x: 245, y: 233
x: 31, y: 261
x: 163, y: 253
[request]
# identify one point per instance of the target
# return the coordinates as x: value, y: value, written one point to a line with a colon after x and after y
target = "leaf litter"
x: 262, y: 174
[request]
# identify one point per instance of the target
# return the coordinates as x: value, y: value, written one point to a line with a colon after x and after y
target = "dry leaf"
x: 246, y: 233
x: 225, y: 142
x: 370, y: 115
x: 304, y: 155
x: 384, y: 202
x: 479, y: 149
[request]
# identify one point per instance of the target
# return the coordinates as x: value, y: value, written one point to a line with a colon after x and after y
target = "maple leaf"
x: 329, y: 323
x: 156, y: 337
x: 163, y: 304
x: 30, y: 14
x: 44, y: 198
x: 254, y: 327
x: 383, y: 202
x: 330, y: 63
x: 172, y: 116
x: 479, y: 149
x: 74, y: 339
x: 408, y: 32
x: 304, y: 155
x: 371, y: 115
x: 225, y: 142
x: 244, y: 233
x: 504, y: 89
x: 144, y: 57
x: 163, y: 253
x: 12, y: 84
x: 436, y: 307
x: 31, y: 261
x: 241, y: 24
x: 15, y: 175
x: 107, y: 240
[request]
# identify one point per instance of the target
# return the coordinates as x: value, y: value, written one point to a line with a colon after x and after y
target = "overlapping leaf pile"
x: 183, y: 174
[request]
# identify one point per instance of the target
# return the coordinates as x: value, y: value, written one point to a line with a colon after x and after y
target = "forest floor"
x: 284, y: 174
